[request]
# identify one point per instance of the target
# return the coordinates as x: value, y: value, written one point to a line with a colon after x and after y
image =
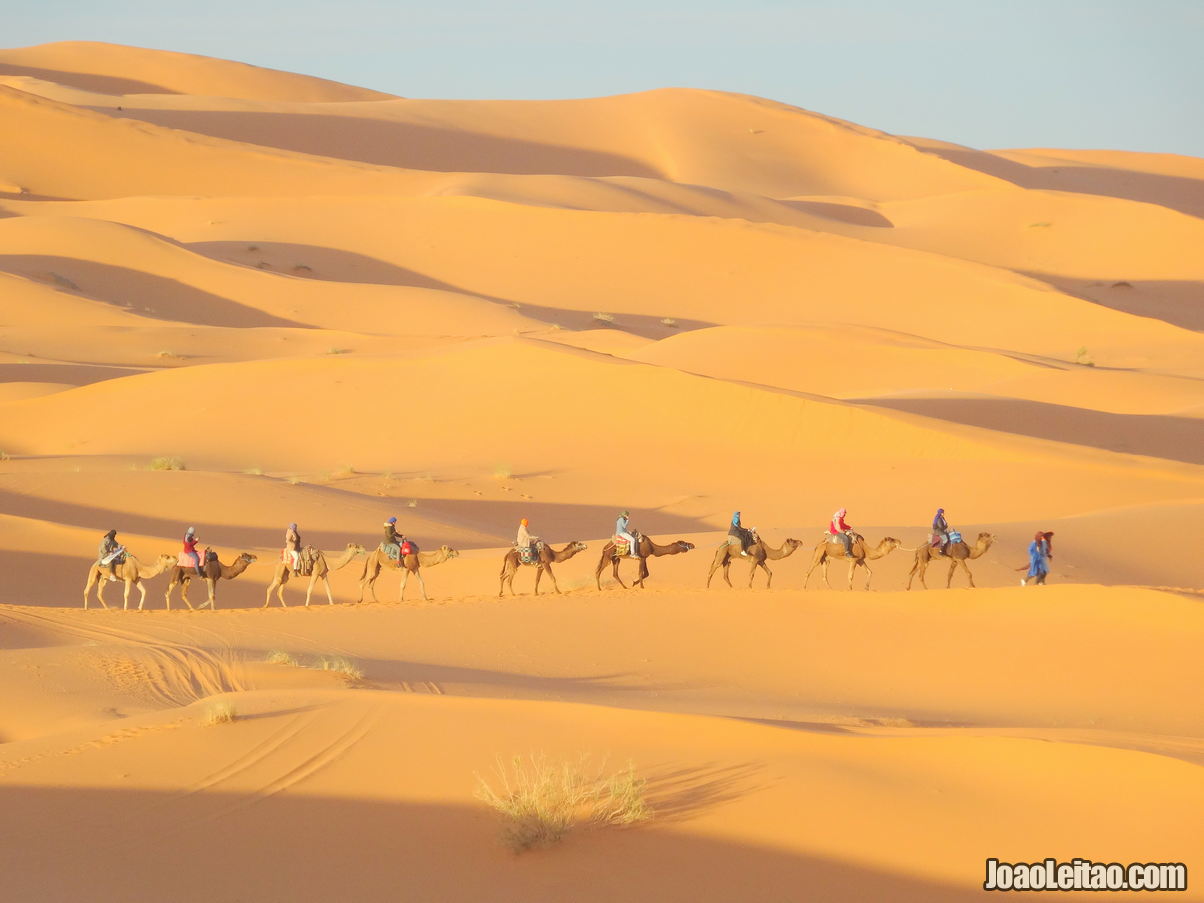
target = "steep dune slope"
x: 129, y: 158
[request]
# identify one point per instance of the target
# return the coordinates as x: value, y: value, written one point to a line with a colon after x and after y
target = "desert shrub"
x: 541, y: 801
x: 220, y: 712
x: 351, y: 672
x: 167, y: 462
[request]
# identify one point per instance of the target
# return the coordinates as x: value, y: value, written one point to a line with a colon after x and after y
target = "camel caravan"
x: 399, y: 554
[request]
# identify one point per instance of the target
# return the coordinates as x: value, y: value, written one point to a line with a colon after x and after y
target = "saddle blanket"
x: 184, y: 560
x: 394, y: 551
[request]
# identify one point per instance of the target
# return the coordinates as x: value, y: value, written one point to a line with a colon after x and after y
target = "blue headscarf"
x: 736, y: 519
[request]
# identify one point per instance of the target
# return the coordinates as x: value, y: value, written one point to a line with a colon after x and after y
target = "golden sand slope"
x: 330, y: 305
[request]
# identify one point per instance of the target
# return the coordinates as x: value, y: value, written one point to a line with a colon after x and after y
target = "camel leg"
x: 643, y: 573
x: 952, y: 568
x: 100, y: 593
x: 422, y: 586
x: 821, y: 558
x: 329, y: 594
x: 868, y: 574
x: 538, y: 575
x: 824, y: 571
x: 598, y: 572
x: 618, y: 579
x: 551, y: 576
x: 125, y: 596
x: 969, y: 576
x: 141, y: 594
x: 405, y: 578
x: 88, y: 589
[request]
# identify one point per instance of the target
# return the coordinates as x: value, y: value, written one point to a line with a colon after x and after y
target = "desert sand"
x: 237, y: 298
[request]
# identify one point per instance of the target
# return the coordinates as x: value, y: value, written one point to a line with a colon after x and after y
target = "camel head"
x: 890, y: 541
x: 792, y: 543
x: 247, y: 557
x: 165, y: 560
x: 577, y: 546
x: 449, y: 552
x: 355, y: 548
x: 985, y: 539
x: 683, y: 545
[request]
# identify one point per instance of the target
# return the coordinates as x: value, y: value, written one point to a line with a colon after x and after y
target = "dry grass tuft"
x: 351, y: 672
x: 602, y: 317
x: 167, y: 462
x: 220, y: 712
x: 541, y: 801
x: 280, y: 657
x: 669, y: 321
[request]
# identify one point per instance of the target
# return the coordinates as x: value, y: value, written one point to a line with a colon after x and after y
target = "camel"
x: 957, y: 555
x: 129, y: 571
x: 646, y: 549
x: 758, y: 552
x: 214, y: 571
x: 378, y: 561
x: 547, y: 557
x: 829, y: 549
x: 321, y: 571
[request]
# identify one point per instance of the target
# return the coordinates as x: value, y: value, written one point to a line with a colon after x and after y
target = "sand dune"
x: 236, y: 298
x: 113, y: 69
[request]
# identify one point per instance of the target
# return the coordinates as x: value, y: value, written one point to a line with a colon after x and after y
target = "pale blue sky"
x: 1125, y: 74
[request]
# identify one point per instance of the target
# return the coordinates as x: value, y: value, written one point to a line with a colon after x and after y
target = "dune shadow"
x: 143, y: 845
x: 68, y: 374
x: 139, y: 292
x: 85, y: 81
x: 414, y: 676
x: 1177, y: 302
x: 1155, y: 435
x: 1176, y: 192
x: 409, y: 145
x: 335, y: 265
x: 845, y: 213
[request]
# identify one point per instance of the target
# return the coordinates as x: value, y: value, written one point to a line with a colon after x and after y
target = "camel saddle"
x: 622, y: 546
x: 529, y: 554
x: 309, y: 556
x: 185, y: 562
x: 396, y: 553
